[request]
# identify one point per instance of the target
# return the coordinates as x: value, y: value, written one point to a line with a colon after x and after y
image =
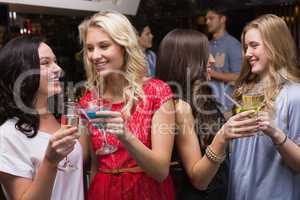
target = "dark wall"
x: 3, y: 24
x: 166, y: 15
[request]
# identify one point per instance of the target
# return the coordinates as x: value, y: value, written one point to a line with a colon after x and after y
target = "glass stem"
x: 104, y: 135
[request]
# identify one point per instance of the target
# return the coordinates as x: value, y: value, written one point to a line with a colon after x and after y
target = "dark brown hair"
x: 19, y: 56
x: 182, y: 63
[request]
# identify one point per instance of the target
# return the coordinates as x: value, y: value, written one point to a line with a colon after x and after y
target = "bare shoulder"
x: 145, y: 79
x: 182, y: 107
x: 183, y: 111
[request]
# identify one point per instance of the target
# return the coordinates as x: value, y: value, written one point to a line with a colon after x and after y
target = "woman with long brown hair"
x: 267, y: 165
x: 182, y: 63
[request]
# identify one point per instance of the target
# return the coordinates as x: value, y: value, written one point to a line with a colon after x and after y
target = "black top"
x: 217, y: 189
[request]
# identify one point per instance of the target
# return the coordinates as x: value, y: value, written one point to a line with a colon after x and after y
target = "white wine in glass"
x: 69, y: 117
x: 253, y: 101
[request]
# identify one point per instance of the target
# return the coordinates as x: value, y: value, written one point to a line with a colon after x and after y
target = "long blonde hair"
x: 281, y: 55
x: 118, y: 27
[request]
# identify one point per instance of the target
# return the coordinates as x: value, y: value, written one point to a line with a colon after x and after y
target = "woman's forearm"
x: 289, y: 151
x: 205, y: 169
x: 149, y: 160
x: 42, y: 185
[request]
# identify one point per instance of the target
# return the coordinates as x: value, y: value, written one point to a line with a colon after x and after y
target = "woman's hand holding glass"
x: 97, y: 112
x: 266, y: 123
x: 61, y: 144
x: 240, y: 125
x: 69, y: 117
x: 114, y: 123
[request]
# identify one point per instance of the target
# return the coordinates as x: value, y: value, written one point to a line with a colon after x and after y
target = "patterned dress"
x: 131, y: 186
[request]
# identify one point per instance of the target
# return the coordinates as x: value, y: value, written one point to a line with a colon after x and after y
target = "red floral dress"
x: 131, y: 186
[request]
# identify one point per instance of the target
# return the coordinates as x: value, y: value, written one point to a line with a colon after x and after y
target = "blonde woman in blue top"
x: 267, y: 165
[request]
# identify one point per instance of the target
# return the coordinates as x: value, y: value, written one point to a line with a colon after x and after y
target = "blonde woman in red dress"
x: 142, y: 114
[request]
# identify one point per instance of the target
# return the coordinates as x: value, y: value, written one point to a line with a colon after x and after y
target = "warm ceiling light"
x: 296, y: 10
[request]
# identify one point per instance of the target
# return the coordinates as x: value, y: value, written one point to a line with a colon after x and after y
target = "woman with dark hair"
x: 32, y: 143
x: 145, y: 37
x: 182, y: 62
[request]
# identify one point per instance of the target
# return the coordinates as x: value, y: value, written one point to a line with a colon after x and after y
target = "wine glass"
x: 253, y: 101
x: 93, y: 106
x: 106, y: 147
x: 69, y: 117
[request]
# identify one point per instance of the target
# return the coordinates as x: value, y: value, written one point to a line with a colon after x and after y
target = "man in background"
x: 145, y: 37
x: 228, y: 58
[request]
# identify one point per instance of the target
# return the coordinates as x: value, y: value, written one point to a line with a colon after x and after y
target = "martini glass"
x: 91, y: 113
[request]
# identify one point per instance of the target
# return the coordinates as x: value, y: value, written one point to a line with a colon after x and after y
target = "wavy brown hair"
x: 281, y: 54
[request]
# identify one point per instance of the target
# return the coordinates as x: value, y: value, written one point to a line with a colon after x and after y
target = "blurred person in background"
x: 228, y: 56
x: 145, y: 38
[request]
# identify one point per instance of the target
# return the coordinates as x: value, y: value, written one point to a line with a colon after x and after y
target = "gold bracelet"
x: 213, y: 156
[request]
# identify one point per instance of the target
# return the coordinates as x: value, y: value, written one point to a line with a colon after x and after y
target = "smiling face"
x: 49, y: 72
x: 255, y: 51
x: 102, y: 52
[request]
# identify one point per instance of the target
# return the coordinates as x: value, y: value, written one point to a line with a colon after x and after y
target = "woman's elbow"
x: 198, y: 184
x: 162, y: 175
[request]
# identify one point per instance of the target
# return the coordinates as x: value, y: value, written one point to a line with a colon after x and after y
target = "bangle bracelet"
x: 283, y: 141
x: 213, y: 156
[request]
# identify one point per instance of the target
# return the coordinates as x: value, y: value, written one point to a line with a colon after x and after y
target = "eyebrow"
x: 100, y: 42
x: 253, y: 42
